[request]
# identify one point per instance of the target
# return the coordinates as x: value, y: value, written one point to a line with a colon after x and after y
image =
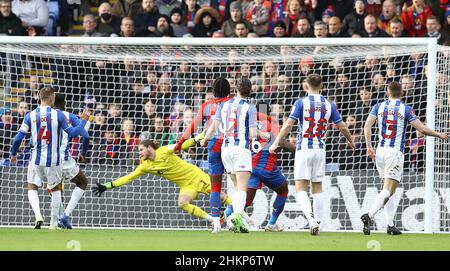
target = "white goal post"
x: 157, y: 85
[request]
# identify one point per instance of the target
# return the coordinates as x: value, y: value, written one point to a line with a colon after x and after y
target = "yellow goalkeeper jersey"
x: 169, y: 166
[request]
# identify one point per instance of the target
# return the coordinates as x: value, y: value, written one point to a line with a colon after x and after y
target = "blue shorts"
x: 271, y: 179
x: 214, y: 161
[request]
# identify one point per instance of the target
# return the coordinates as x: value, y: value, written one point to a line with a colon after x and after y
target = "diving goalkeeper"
x: 163, y: 162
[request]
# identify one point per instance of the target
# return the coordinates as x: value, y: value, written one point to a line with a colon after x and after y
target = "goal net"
x: 138, y: 86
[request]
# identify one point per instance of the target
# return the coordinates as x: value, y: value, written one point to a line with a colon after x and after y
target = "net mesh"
x: 158, y: 89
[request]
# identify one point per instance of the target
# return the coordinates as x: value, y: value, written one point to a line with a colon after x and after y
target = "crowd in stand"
x: 162, y: 98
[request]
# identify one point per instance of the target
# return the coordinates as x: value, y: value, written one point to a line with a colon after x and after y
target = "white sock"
x: 209, y: 218
x: 33, y: 198
x: 389, y: 211
x: 74, y: 199
x: 379, y: 202
x: 239, y: 198
x: 55, y: 205
x: 305, y: 205
x: 318, y: 204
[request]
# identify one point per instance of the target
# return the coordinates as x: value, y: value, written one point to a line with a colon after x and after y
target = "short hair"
x: 432, y: 17
x: 150, y: 143
x: 46, y: 93
x: 320, y: 24
x: 60, y: 100
x: 395, y: 88
x: 221, y: 88
x: 314, y: 81
x: 244, y: 87
x: 241, y: 22
x: 396, y: 21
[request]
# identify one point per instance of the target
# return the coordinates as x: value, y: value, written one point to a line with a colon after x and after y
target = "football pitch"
x: 20, y: 239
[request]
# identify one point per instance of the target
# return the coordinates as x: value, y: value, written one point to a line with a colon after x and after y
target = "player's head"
x: 395, y: 90
x: 221, y: 88
x: 244, y: 87
x: 60, y: 101
x: 147, y: 149
x: 314, y: 83
x: 47, y: 96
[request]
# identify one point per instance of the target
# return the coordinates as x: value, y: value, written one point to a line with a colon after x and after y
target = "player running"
x: 392, y: 116
x: 221, y: 90
x: 163, y: 162
x: 313, y: 114
x: 71, y: 170
x: 266, y: 171
x: 46, y: 126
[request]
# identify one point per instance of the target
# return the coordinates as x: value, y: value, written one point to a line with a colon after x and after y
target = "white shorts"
x: 309, y: 165
x: 70, y: 169
x: 389, y: 163
x: 236, y: 159
x: 37, y: 175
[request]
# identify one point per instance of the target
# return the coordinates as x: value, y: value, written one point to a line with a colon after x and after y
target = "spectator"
x: 414, y: 18
x: 163, y: 27
x: 364, y: 105
x: 371, y: 29
x: 269, y: 78
x: 128, y: 135
x: 303, y: 29
x: 150, y: 83
x: 285, y: 92
x: 434, y: 29
x: 114, y: 117
x: 183, y: 78
x: 127, y: 28
x: 446, y: 25
x: 99, y: 125
x: 388, y: 14
x: 320, y: 29
x: 126, y: 8
x: 7, y: 130
x: 109, y: 24
x: 22, y: 110
x: 415, y: 156
x: 354, y: 21
x: 279, y: 30
x: 397, y: 29
x: 375, y: 7
x: 111, y: 150
x: 32, y: 93
x: 10, y: 24
x: 162, y: 134
x: 33, y: 13
x: 190, y: 8
x: 146, y: 120
x: 258, y: 15
x: 296, y: 9
x: 163, y: 95
x: 173, y: 121
x: 241, y: 30
x: 206, y: 22
x: 228, y: 27
x: 89, y: 25
x: 145, y: 20
x: 178, y: 26
x: 167, y: 6
x: 327, y: 14
x: 342, y: 7
x: 378, y: 87
x: 334, y: 28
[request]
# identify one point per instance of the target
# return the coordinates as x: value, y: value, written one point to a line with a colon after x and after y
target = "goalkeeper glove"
x: 100, y: 188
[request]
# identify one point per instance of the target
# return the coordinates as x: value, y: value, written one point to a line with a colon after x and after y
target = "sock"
x: 389, y: 211
x: 196, y: 211
x: 239, y: 198
x: 227, y: 201
x: 33, y: 198
x: 305, y: 205
x: 379, y: 202
x: 214, y: 199
x: 55, y: 205
x: 228, y: 210
x: 74, y: 199
x: 278, y: 207
x: 318, y: 204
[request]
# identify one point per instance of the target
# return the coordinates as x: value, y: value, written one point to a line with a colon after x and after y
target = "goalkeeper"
x: 163, y: 162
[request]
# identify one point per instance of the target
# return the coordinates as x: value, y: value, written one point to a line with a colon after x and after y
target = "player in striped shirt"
x: 46, y: 126
x: 71, y: 170
x: 392, y: 116
x: 238, y: 126
x: 221, y: 90
x: 313, y: 114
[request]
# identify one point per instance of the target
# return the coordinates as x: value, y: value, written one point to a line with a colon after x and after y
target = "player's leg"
x: 253, y: 185
x: 216, y: 170
x: 34, y: 182
x: 54, y: 177
x: 316, y: 184
x: 185, y: 198
x: 277, y: 183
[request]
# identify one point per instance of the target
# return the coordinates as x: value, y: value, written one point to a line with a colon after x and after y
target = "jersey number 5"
x: 320, y: 131
x: 390, y: 126
x: 44, y: 134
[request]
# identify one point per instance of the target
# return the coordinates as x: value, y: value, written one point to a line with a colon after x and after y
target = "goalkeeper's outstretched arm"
x: 100, y: 188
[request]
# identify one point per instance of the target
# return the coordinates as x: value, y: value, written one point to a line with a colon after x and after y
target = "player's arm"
x: 100, y: 188
x: 371, y: 120
x: 419, y: 126
x: 73, y: 131
x: 17, y: 141
x: 75, y: 121
x: 342, y: 126
x: 211, y: 130
x: 285, y: 130
x: 286, y: 145
x: 190, y: 131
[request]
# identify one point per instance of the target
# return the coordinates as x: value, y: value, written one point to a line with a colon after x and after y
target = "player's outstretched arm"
x: 371, y: 119
x: 16, y: 145
x: 346, y: 133
x: 100, y: 188
x: 285, y: 130
x: 210, y: 132
x: 419, y: 126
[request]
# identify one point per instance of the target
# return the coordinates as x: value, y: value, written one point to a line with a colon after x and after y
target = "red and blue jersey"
x: 264, y: 159
x: 392, y: 117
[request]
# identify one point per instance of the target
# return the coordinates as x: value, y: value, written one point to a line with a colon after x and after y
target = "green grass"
x: 29, y: 239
